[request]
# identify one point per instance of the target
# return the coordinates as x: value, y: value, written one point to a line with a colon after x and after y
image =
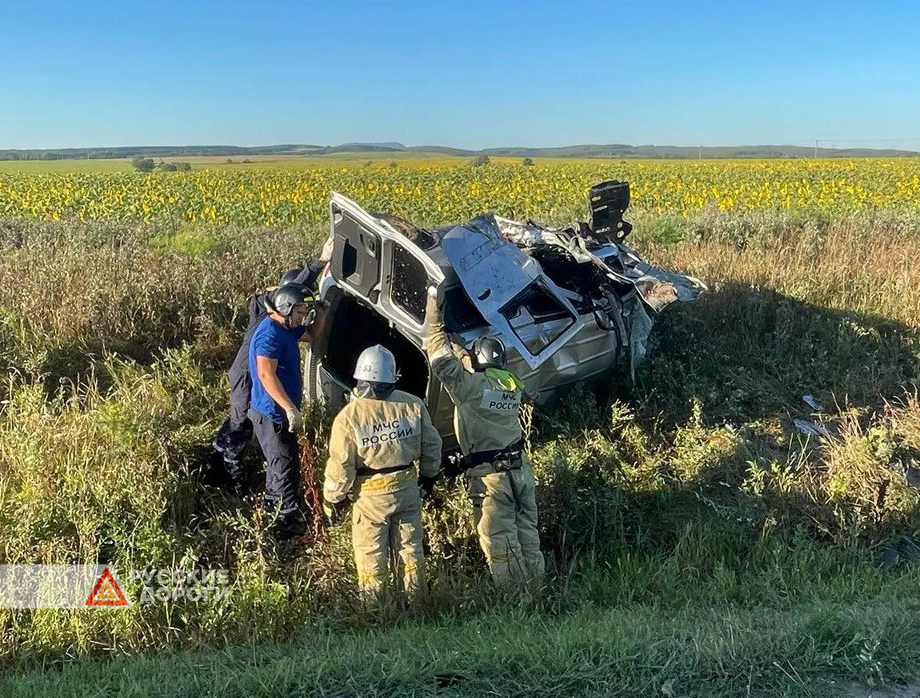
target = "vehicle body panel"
x: 508, y: 287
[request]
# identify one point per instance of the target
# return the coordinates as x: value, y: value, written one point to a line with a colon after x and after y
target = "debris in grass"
x: 812, y: 403
x: 810, y: 428
x: 908, y: 467
x: 904, y: 551
x: 913, y: 475
x: 908, y: 549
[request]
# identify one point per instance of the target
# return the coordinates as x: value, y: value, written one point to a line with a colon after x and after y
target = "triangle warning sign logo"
x: 106, y: 592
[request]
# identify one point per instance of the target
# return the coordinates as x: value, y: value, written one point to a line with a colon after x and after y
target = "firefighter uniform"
x: 499, y: 477
x: 373, y: 445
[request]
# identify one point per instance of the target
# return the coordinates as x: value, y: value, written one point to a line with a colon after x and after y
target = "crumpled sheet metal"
x: 658, y: 287
x: 492, y: 271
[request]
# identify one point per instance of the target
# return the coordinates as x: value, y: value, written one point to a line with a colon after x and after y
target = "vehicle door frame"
x: 388, y: 238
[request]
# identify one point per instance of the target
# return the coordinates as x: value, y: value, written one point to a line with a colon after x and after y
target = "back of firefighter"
x: 487, y: 423
x: 375, y: 440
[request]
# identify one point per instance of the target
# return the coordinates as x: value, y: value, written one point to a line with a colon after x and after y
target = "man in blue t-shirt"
x: 274, y: 364
x: 236, y: 431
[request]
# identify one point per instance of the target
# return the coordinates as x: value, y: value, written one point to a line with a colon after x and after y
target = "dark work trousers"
x: 282, y: 469
x: 236, y: 432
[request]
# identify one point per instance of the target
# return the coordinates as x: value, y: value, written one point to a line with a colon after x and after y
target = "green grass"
x: 845, y: 626
x: 698, y: 544
x: 44, y: 166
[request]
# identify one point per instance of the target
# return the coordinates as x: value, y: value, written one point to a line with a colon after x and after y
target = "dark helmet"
x: 290, y: 276
x: 286, y: 297
x: 488, y: 352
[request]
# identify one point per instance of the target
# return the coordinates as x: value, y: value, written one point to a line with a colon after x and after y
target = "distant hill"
x: 154, y: 151
x: 441, y: 149
x: 674, y: 152
x: 610, y: 150
x: 390, y: 145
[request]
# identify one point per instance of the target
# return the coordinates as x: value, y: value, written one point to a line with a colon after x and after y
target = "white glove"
x: 295, y: 419
x: 432, y: 291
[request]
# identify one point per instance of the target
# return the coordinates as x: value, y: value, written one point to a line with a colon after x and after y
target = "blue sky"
x: 466, y: 74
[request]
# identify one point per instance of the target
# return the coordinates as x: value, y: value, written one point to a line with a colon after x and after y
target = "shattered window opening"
x: 408, y: 283
x: 570, y: 274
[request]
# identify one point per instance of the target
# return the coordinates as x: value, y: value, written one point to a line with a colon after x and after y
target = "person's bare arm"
x: 268, y: 376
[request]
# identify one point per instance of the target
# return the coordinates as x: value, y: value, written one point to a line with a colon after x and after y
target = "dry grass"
x: 696, y: 490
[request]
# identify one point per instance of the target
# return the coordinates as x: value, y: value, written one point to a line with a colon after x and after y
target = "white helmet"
x: 376, y: 364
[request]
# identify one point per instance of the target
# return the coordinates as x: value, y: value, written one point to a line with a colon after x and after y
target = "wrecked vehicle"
x: 573, y: 304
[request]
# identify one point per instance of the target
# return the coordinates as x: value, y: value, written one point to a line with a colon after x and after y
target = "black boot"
x: 289, y: 526
x: 212, y: 472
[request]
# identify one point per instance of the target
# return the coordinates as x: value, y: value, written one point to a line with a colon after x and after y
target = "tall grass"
x: 692, y: 490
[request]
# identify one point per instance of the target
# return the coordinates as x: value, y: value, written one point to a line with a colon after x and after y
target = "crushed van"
x: 571, y: 304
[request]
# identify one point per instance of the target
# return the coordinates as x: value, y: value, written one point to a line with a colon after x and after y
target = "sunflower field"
x: 445, y: 191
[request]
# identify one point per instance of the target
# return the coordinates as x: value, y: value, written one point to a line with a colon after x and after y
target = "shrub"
x: 142, y: 164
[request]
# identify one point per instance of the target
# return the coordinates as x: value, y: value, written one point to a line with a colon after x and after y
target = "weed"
x: 680, y: 526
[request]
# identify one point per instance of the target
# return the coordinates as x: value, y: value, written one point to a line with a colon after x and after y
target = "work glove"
x: 432, y: 310
x: 309, y: 318
x: 295, y: 419
x: 335, y: 511
x: 426, y: 485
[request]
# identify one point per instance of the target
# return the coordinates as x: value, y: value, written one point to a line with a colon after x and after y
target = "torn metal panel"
x: 492, y: 271
x: 510, y: 290
x: 810, y: 428
x: 658, y: 287
x: 640, y: 327
x: 812, y: 403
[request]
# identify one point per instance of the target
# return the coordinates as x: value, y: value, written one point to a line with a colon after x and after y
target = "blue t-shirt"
x: 273, y: 340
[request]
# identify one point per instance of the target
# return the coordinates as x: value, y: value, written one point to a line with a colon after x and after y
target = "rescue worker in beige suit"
x: 487, y: 423
x: 375, y: 440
